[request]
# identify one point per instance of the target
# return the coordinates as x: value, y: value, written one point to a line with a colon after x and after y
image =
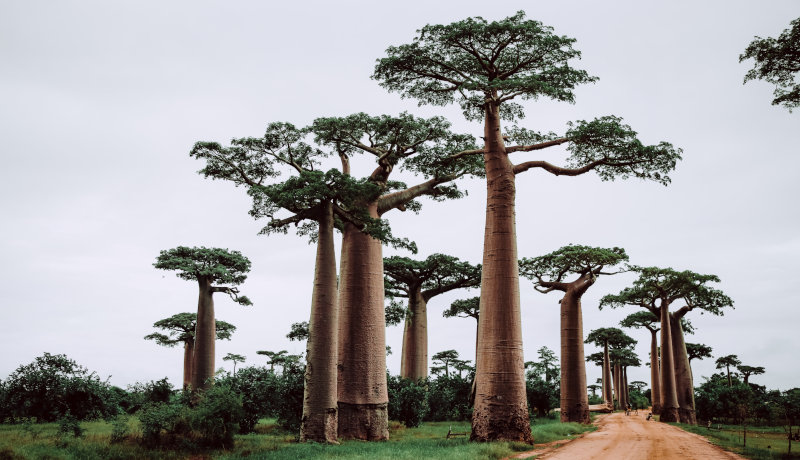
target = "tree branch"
x: 540, y: 146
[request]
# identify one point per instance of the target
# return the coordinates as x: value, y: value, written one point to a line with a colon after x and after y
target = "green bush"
x: 407, y: 400
x: 217, y: 415
x: 119, y: 429
x: 68, y: 424
x: 448, y: 399
x: 160, y: 419
x: 289, y: 404
x: 259, y: 389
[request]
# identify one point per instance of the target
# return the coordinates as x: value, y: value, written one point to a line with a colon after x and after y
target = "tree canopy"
x: 777, y: 61
x: 611, y: 336
x: 549, y: 272
x: 181, y: 328
x: 437, y: 274
x: 464, y: 308
x: 698, y: 351
x: 214, y: 264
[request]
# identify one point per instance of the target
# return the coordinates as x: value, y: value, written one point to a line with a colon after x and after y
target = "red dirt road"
x: 621, y: 437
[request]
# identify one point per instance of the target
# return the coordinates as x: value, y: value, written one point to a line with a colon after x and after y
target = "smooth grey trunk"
x: 669, y: 392
x: 414, y: 358
x: 205, y: 336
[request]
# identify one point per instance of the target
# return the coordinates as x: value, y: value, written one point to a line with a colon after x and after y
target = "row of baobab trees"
x: 485, y: 67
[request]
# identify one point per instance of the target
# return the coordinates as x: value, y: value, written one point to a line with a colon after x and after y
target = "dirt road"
x: 621, y: 437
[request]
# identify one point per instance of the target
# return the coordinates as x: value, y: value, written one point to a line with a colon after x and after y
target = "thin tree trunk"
x: 501, y: 407
x: 362, y: 387
x: 669, y: 392
x: 655, y: 379
x: 625, y: 390
x: 574, y: 398
x: 320, y: 409
x: 618, y: 385
x: 683, y: 374
x: 608, y: 391
x: 205, y: 335
x: 414, y: 360
x: 188, y: 354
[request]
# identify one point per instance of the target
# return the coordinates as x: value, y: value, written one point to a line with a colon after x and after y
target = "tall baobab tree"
x: 609, y: 338
x: 747, y: 371
x: 419, y: 282
x: 484, y: 66
x: 725, y: 362
x: 623, y: 358
x: 655, y: 290
x: 180, y: 329
x: 649, y: 321
x: 549, y: 273
x: 206, y: 266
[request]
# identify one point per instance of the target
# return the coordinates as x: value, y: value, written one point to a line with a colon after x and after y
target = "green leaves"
x: 777, y: 61
x: 215, y: 264
x: 470, y: 60
x: 435, y: 275
x: 571, y: 259
x: 614, y: 151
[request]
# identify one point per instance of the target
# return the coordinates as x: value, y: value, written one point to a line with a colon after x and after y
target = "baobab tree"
x: 649, y: 321
x: 725, y: 362
x: 593, y: 388
x: 623, y: 358
x: 609, y: 338
x: 419, y: 282
x: 235, y: 358
x: 444, y: 359
x: 298, y: 331
x: 655, y: 290
x: 274, y: 357
x: 549, y: 273
x: 484, y: 66
x: 696, y: 351
x: 777, y: 61
x: 747, y: 371
x: 206, y: 266
x: 465, y: 308
x: 180, y: 329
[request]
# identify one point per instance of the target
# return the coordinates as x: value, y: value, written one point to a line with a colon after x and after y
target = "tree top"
x: 777, y: 61
x: 213, y: 264
x: 472, y: 60
x: 463, y: 308
x: 641, y: 319
x: 435, y: 275
x: 181, y: 328
x: 614, y: 337
x: 571, y: 260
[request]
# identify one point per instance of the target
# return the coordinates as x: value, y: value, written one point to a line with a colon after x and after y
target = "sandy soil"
x: 621, y: 437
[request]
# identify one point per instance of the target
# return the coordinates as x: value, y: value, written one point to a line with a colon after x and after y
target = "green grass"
x: 270, y: 441
x: 762, y: 442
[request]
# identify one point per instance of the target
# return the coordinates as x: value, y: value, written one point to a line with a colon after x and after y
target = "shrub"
x: 289, y: 405
x: 119, y: 429
x: 216, y: 417
x: 68, y: 424
x: 259, y: 389
x: 407, y: 400
x: 158, y: 419
x: 448, y: 399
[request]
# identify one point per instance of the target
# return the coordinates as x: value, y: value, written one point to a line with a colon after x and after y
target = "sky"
x: 101, y: 103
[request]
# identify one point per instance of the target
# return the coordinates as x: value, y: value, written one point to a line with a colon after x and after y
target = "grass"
x: 270, y: 441
x: 762, y: 442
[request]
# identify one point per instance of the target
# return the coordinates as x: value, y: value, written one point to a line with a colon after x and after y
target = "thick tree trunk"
x: 320, y: 420
x: 574, y: 398
x: 626, y: 396
x: 362, y: 388
x: 669, y: 391
x: 188, y: 356
x: 608, y: 390
x: 414, y: 360
x: 204, y: 337
x: 618, y: 386
x: 683, y: 374
x: 501, y: 407
x: 655, y: 379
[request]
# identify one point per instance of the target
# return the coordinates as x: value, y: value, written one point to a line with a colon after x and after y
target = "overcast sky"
x: 100, y: 103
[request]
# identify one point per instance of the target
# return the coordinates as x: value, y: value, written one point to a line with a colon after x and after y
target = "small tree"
x: 299, y: 331
x: 747, y: 371
x: 777, y: 61
x: 180, y: 329
x: 609, y: 338
x: 419, y: 282
x: 206, y: 266
x: 698, y: 351
x: 444, y: 359
x: 275, y: 357
x: 649, y: 321
x: 725, y: 362
x: 236, y: 359
x: 549, y: 273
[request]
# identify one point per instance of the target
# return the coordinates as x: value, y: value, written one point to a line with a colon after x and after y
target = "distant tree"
x: 725, y: 362
x: 465, y: 308
x: 609, y: 338
x: 419, y: 282
x: 235, y: 358
x: 206, y: 266
x: 543, y: 382
x: 180, y: 329
x: 649, y: 321
x: 462, y: 366
x: 747, y: 371
x: 444, y: 359
x: 299, y: 331
x: 274, y: 357
x: 593, y: 388
x: 777, y: 61
x: 639, y: 385
x: 484, y: 66
x: 549, y: 273
x: 698, y: 351
x: 655, y: 290
x: 790, y: 410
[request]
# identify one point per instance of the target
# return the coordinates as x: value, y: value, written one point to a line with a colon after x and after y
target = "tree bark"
x: 362, y: 388
x: 501, y: 407
x: 188, y: 355
x: 574, y: 397
x: 608, y: 390
x: 320, y: 418
x: 414, y: 360
x: 205, y: 335
x: 655, y: 380
x: 618, y: 385
x: 683, y: 374
x: 626, y: 396
x: 669, y: 392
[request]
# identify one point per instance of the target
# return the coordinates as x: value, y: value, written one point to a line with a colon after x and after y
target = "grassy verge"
x: 270, y: 441
x: 762, y: 442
